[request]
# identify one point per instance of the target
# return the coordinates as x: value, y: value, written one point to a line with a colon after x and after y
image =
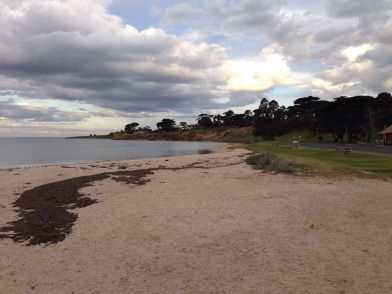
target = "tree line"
x: 354, y: 118
x: 166, y: 124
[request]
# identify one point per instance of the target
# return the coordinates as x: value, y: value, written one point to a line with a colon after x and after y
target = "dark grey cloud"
x: 245, y: 16
x: 76, y: 51
x: 358, y: 8
x: 249, y: 14
x: 334, y: 33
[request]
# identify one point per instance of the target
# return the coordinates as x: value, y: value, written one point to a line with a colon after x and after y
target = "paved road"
x: 364, y: 148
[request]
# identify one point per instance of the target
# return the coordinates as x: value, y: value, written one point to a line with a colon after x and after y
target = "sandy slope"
x: 221, y: 229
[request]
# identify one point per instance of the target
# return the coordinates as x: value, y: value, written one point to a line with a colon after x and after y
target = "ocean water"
x: 24, y: 152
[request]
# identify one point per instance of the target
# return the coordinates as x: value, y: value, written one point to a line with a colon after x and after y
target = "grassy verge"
x: 331, y: 162
x: 304, y: 136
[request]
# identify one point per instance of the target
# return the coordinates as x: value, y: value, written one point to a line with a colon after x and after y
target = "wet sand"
x: 192, y: 224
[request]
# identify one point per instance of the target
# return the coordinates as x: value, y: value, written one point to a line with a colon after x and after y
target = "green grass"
x: 331, y: 162
x: 304, y: 136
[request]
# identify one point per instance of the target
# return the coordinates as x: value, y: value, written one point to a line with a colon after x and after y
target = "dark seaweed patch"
x: 45, y: 212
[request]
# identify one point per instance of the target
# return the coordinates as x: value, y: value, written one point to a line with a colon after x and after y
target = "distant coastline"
x: 91, y: 137
x: 223, y: 134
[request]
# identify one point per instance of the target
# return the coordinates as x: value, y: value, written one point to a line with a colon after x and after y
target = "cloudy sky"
x: 90, y: 66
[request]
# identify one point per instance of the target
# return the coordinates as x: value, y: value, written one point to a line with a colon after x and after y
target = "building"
x: 387, y: 135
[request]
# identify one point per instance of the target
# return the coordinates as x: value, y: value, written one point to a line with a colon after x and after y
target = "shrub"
x: 205, y: 151
x: 249, y: 140
x: 269, y: 162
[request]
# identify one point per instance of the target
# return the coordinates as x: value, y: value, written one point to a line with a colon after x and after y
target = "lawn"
x: 305, y: 137
x: 331, y: 162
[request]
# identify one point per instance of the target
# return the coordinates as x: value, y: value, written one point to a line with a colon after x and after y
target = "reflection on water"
x: 20, y: 152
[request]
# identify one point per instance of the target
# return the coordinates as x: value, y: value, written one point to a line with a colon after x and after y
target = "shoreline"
x: 68, y: 163
x: 191, y: 224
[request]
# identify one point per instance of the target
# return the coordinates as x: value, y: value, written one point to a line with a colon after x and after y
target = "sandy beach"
x: 192, y: 224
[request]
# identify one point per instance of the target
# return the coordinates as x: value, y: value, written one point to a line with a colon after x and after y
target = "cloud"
x: 12, y: 111
x: 257, y: 75
x: 352, y: 53
x: 363, y: 70
x: 77, y: 51
x: 357, y: 8
x: 85, y: 54
x: 82, y: 53
x: 248, y: 15
x: 181, y: 13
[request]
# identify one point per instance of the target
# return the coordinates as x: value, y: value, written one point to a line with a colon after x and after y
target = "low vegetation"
x: 205, y: 151
x: 270, y: 162
x: 331, y: 162
x: 223, y: 134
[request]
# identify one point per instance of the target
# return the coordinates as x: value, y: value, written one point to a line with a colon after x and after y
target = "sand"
x: 192, y: 224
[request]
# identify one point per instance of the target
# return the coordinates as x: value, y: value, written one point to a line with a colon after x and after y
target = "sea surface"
x: 25, y: 152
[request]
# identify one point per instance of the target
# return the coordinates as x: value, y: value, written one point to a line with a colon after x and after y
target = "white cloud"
x: 388, y: 84
x: 269, y: 70
x: 325, y: 87
x: 352, y: 53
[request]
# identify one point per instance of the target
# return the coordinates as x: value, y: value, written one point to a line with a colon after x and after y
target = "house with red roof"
x: 387, y: 135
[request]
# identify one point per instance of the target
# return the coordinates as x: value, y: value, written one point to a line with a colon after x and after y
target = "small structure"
x: 184, y: 128
x: 387, y: 135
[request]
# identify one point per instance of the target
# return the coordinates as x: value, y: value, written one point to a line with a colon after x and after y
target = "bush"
x: 249, y: 140
x: 269, y: 162
x: 205, y: 151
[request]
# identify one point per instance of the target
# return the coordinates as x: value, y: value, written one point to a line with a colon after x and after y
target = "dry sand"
x: 194, y: 224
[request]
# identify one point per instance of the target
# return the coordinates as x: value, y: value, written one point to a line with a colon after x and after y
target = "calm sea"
x: 22, y: 152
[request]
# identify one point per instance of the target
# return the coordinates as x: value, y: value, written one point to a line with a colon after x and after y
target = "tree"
x: 273, y: 106
x: 268, y: 128
x: 146, y: 129
x: 204, y: 120
x: 228, y: 117
x: 383, y: 110
x: 328, y: 120
x: 218, y: 120
x: 262, y: 111
x: 130, y: 128
x: 347, y: 117
x: 248, y: 113
x: 166, y: 124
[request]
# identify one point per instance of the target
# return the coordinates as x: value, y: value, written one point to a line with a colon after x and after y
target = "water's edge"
x: 20, y: 153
